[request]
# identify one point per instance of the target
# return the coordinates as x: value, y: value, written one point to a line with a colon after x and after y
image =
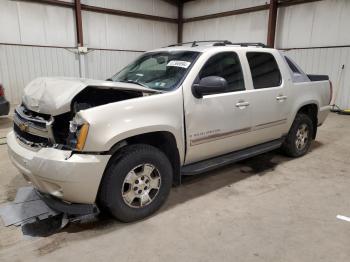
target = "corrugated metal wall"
x: 103, y: 64
x: 250, y: 27
x: 320, y: 23
x: 206, y: 7
x: 334, y: 62
x: 20, y: 64
x: 115, y: 32
x: 150, y: 7
x: 36, y: 24
x: 246, y: 27
x: 317, y: 24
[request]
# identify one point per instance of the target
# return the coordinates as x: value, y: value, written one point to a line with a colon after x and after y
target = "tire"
x: 293, y: 145
x: 136, y: 183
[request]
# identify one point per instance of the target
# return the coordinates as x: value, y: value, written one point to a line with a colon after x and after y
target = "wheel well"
x: 164, y: 141
x: 311, y: 110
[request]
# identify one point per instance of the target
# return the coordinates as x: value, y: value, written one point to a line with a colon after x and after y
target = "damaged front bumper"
x: 71, y: 177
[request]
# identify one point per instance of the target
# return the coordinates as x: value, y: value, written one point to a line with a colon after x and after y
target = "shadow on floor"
x: 191, y: 188
x: 197, y: 186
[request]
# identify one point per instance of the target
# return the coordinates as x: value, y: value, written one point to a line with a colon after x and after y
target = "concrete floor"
x: 269, y: 208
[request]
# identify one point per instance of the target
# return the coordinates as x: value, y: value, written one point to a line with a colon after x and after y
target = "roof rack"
x: 249, y: 44
x: 195, y: 43
x: 218, y: 43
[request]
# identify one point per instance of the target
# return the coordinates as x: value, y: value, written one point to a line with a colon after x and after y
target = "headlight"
x: 76, y: 123
x: 79, y: 129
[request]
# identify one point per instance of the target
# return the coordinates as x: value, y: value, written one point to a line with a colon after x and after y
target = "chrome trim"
x: 30, y: 128
x: 214, y: 137
x: 19, y: 111
x: 271, y: 124
x: 28, y: 124
x: 202, y: 140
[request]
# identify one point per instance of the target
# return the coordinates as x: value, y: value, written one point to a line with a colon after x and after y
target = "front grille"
x: 29, y: 137
x: 39, y: 122
x: 32, y: 127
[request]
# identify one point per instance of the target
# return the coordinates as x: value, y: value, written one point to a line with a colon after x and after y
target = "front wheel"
x: 137, y: 183
x: 299, y: 138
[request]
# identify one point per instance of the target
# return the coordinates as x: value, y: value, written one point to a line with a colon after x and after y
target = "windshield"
x: 158, y: 70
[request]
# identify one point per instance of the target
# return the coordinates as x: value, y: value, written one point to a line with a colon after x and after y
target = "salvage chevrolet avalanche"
x: 120, y: 144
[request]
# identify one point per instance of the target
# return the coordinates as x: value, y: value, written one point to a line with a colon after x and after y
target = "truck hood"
x: 53, y: 96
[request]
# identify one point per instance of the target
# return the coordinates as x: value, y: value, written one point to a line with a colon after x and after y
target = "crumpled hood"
x: 53, y: 96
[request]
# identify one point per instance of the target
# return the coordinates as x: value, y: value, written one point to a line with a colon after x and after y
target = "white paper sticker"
x: 177, y: 63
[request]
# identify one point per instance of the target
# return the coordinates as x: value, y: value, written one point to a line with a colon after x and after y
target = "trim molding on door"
x: 218, y: 136
x: 214, y: 137
x: 270, y: 124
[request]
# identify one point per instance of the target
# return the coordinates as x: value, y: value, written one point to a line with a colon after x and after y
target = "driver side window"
x: 227, y: 66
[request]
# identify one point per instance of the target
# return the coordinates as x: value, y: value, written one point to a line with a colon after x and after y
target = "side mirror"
x: 209, y: 85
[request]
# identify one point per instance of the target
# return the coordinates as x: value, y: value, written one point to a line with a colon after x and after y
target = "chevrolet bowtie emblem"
x: 23, y: 127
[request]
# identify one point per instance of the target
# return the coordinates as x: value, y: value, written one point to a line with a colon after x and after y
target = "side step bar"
x: 216, y: 162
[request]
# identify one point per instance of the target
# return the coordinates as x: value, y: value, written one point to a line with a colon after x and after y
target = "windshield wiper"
x: 134, y: 82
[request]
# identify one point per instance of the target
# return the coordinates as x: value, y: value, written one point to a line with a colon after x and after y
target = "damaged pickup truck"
x: 119, y: 145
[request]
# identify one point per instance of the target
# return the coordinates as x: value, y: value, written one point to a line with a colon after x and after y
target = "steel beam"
x: 295, y: 2
x: 103, y: 10
x: 51, y: 2
x: 180, y: 23
x: 79, y: 23
x: 228, y: 13
x: 109, y: 11
x: 271, y: 29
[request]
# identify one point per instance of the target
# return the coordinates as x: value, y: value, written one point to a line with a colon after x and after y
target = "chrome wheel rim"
x: 141, y: 186
x: 302, y: 137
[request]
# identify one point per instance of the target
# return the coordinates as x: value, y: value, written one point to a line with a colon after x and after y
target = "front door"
x: 218, y: 123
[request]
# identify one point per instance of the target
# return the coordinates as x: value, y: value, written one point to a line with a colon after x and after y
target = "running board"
x: 216, y: 162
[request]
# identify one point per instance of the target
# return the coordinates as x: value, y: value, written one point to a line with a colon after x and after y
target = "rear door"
x: 269, y: 96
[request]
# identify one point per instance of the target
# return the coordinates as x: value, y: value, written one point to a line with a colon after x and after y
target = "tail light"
x: 330, y: 91
x: 2, y: 92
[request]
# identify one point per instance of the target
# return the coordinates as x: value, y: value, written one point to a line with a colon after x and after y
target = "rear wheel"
x: 137, y: 183
x: 298, y: 140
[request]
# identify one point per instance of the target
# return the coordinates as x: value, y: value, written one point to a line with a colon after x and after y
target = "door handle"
x: 242, y: 104
x: 281, y: 98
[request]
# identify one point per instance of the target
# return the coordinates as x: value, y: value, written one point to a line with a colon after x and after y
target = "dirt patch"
x: 11, y: 189
x: 51, y: 246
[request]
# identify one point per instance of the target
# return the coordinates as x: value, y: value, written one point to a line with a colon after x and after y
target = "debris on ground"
x: 32, y: 214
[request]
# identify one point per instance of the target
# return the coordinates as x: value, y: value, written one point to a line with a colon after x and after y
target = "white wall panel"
x: 205, y: 7
x: 320, y: 23
x: 21, y: 64
x: 251, y: 27
x: 37, y: 24
x: 102, y: 64
x: 9, y: 23
x: 150, y: 7
x: 328, y: 61
x: 117, y: 32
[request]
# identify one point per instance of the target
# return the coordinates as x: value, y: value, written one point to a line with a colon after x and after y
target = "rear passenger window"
x: 264, y: 69
x: 225, y: 65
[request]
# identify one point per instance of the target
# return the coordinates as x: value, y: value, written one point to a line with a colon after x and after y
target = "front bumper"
x: 4, y: 106
x: 67, y: 208
x: 71, y: 177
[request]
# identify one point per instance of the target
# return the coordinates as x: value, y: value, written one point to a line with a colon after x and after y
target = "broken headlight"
x: 78, y: 129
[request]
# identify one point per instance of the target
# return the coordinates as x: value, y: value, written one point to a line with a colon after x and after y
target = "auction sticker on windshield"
x: 178, y: 63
